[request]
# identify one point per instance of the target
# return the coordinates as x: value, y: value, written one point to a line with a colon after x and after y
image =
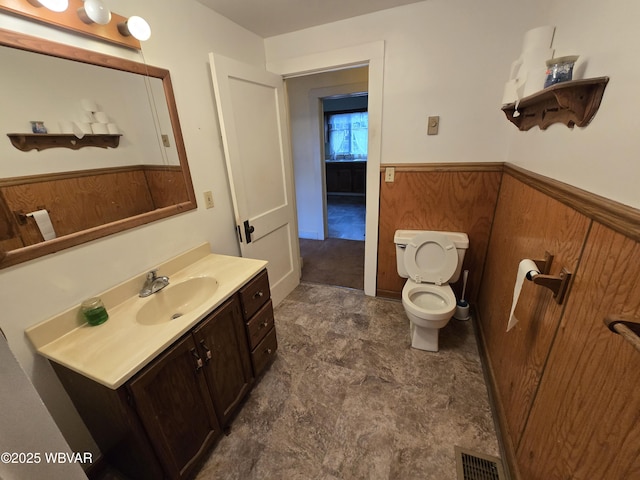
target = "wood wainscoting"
x: 84, y: 199
x: 562, y: 385
x: 456, y: 197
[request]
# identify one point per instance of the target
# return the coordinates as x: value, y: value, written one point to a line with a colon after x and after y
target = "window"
x: 346, y: 135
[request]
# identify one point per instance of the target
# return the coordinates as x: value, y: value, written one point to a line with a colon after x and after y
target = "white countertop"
x: 113, y: 352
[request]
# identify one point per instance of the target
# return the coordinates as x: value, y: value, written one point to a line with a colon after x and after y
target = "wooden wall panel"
x: 584, y: 422
x: 167, y: 185
x: 79, y: 203
x: 446, y: 198
x: 527, y: 223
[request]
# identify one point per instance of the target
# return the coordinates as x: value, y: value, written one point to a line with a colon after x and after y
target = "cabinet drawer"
x: 260, y: 324
x: 255, y: 294
x: 264, y: 352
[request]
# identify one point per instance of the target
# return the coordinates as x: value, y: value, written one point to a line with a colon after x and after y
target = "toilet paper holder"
x: 22, y: 217
x: 544, y: 265
x: 558, y: 284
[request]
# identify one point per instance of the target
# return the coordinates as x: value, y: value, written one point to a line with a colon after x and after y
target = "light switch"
x: 208, y: 199
x: 432, y: 125
x: 165, y: 140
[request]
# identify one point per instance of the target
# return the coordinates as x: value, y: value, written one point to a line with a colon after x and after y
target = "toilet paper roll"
x: 84, y: 127
x: 44, y: 223
x: 513, y: 90
x: 102, y: 117
x: 100, y: 128
x: 527, y: 269
x: 539, y: 37
x: 113, y: 129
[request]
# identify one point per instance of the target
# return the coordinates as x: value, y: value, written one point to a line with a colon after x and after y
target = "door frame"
x: 371, y: 55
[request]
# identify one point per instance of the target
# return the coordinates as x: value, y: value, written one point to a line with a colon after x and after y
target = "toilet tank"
x: 403, y: 237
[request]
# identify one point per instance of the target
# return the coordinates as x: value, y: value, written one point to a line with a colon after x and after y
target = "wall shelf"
x: 42, y: 141
x: 572, y: 103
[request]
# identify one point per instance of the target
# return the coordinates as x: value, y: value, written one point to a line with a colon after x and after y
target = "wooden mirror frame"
x: 46, y: 47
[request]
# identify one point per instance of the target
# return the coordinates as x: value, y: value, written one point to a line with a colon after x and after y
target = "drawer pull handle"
x: 207, y: 352
x: 199, y: 363
x: 269, y: 351
x: 264, y: 324
x: 258, y: 294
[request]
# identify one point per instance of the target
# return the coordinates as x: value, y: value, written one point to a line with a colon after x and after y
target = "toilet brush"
x: 462, y: 306
x: 462, y: 302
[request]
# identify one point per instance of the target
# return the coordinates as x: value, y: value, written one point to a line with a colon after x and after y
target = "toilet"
x: 429, y: 261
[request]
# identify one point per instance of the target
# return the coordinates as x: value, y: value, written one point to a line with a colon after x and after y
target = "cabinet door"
x: 223, y: 344
x: 584, y: 421
x: 174, y: 404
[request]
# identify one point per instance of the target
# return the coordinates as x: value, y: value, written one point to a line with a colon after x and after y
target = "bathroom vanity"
x: 159, y: 381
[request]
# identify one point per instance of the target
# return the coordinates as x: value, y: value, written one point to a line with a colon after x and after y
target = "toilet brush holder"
x: 462, y: 311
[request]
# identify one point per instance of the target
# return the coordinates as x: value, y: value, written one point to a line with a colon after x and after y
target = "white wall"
x: 304, y: 95
x: 442, y: 57
x: 603, y: 157
x: 183, y: 33
x: 452, y: 57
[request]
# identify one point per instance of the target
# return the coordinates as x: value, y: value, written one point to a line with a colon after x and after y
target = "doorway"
x: 329, y: 136
x: 372, y: 55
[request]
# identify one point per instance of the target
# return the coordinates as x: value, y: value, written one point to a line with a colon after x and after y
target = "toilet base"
x: 424, y: 338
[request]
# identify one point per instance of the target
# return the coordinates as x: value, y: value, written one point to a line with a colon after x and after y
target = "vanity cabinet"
x: 222, y: 345
x: 174, y: 404
x: 257, y: 310
x: 161, y: 421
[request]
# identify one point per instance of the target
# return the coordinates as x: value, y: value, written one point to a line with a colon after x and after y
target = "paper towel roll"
x: 44, y: 223
x: 527, y: 269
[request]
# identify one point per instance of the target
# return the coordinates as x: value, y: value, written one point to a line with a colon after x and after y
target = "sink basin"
x: 176, y: 300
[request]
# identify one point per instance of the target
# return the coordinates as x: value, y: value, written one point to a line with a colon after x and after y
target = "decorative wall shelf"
x: 572, y: 103
x: 42, y: 141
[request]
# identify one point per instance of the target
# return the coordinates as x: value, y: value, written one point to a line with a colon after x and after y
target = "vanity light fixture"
x: 94, y: 11
x: 137, y: 27
x: 53, y: 5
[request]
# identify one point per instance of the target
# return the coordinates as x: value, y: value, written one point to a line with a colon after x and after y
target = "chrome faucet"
x: 153, y: 284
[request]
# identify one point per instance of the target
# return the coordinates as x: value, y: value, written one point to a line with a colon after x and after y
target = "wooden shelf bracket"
x: 42, y: 141
x: 572, y: 103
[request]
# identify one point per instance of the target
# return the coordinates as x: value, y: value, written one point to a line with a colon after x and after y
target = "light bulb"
x: 94, y: 11
x: 137, y: 27
x: 53, y: 5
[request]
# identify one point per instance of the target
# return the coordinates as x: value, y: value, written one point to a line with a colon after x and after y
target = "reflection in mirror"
x: 62, y: 195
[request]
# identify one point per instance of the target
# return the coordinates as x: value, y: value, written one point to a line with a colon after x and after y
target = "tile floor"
x: 347, y: 398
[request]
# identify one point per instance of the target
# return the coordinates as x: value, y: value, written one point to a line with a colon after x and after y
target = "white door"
x: 255, y: 136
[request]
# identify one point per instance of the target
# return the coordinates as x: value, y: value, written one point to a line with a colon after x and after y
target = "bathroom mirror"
x: 88, y: 190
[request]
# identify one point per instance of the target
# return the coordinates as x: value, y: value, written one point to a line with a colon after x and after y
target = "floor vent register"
x: 477, y: 466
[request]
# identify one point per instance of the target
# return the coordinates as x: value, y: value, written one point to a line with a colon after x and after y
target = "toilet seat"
x: 431, y: 257
x: 432, y: 304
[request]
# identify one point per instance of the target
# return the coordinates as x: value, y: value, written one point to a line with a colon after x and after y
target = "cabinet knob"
x: 258, y: 294
x: 264, y: 324
x: 269, y: 351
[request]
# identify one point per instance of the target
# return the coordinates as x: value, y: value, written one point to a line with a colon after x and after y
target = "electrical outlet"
x: 432, y: 125
x: 389, y: 174
x: 208, y: 199
x: 165, y: 140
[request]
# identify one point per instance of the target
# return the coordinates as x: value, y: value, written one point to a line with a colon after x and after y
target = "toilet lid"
x: 431, y: 257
